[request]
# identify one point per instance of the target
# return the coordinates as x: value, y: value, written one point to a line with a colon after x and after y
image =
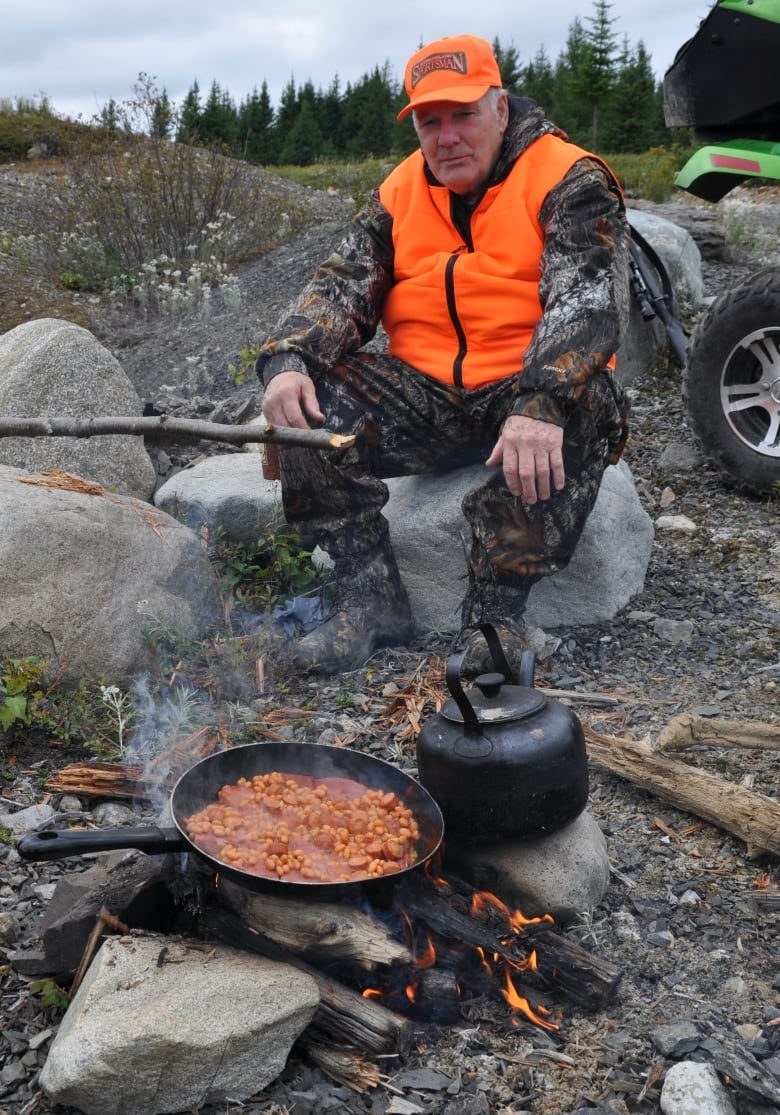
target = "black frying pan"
x: 199, y: 786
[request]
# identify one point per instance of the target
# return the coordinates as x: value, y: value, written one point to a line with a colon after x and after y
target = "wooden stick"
x: 165, y: 427
x: 752, y: 817
x: 688, y: 730
x: 105, y: 920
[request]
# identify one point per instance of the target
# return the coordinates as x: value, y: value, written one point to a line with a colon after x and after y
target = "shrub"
x: 650, y: 175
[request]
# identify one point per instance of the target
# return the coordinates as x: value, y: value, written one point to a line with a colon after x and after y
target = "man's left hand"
x: 531, y: 453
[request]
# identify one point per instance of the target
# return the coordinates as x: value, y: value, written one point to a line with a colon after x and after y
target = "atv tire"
x: 731, y: 382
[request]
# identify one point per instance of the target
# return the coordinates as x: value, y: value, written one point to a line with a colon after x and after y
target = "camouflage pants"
x: 406, y: 423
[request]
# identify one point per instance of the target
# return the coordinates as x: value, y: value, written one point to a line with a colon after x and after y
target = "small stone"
x: 694, y: 1089
x: 663, y: 939
x: 675, y: 1039
x: 111, y: 814
x: 69, y: 803
x: 39, y: 1039
x: 690, y: 899
x: 9, y: 929
x: 681, y: 524
x: 737, y: 989
x: 748, y: 1031
x: 12, y: 1073
x: 673, y: 631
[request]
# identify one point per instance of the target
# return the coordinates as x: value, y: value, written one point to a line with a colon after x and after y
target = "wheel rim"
x: 750, y: 391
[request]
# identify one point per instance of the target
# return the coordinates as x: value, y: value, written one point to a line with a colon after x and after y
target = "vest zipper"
x: 449, y: 284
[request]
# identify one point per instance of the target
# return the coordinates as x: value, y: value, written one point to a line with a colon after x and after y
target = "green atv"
x: 723, y: 83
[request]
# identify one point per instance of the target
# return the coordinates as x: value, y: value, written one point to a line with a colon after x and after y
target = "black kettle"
x: 502, y: 760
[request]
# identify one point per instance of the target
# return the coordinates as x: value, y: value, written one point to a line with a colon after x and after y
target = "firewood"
x: 752, y: 817
x: 130, y: 780
x: 324, y: 930
x: 110, y: 780
x: 687, y: 730
x: 562, y: 965
x: 345, y: 1066
x: 344, y: 1015
x: 164, y: 426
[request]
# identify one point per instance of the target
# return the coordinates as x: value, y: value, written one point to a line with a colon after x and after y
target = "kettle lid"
x: 493, y: 702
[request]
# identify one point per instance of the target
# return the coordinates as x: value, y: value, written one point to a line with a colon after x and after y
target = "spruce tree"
x: 218, y: 123
x: 538, y: 81
x: 304, y: 142
x: 509, y: 64
x: 600, y: 64
x: 570, y: 108
x: 189, y: 121
x: 255, y: 138
x: 630, y: 118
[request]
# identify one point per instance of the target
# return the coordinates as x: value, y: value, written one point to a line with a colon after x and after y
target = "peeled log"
x: 688, y: 730
x: 752, y: 817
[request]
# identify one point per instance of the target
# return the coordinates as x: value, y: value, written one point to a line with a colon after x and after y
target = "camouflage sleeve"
x: 339, y: 309
x: 584, y: 291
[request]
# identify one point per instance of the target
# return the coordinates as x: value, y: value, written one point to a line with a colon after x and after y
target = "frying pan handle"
x: 53, y: 844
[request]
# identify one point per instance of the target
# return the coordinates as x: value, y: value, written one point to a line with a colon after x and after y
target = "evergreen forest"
x: 600, y: 89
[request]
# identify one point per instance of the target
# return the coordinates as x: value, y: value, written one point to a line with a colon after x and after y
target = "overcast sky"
x: 82, y: 53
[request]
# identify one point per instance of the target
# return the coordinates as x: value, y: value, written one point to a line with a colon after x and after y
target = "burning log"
x: 163, y: 427
x: 752, y: 817
x: 344, y: 1015
x: 688, y: 730
x: 548, y: 959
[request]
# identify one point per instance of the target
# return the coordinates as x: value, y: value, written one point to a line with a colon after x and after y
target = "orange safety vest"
x: 466, y: 315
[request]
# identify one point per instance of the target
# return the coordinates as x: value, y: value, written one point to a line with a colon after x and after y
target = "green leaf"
x: 13, y: 708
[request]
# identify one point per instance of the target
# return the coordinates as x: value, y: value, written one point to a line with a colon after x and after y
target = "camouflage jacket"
x: 583, y: 285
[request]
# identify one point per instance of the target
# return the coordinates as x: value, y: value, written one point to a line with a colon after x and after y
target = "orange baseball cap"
x: 456, y: 68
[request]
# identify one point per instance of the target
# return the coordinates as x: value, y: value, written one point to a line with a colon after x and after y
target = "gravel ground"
x: 690, y: 916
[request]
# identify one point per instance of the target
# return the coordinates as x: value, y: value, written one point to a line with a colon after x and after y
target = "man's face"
x: 461, y: 142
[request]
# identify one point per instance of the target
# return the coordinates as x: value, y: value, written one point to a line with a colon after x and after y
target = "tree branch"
x: 164, y: 427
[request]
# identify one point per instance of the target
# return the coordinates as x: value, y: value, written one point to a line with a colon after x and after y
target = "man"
x: 495, y: 257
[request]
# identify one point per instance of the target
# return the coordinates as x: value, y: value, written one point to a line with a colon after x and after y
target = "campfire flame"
x: 499, y: 969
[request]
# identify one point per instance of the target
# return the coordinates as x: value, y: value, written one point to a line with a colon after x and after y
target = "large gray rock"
x: 227, y: 493
x: 149, y: 1033
x: 84, y: 573
x: 564, y: 874
x: 678, y: 252
x: 52, y: 368
x: 430, y: 537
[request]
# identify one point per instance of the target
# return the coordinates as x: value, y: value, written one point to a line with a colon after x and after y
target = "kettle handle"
x: 527, y: 660
x: 453, y: 671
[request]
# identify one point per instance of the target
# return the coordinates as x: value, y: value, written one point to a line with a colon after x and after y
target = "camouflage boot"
x: 370, y: 610
x: 502, y: 605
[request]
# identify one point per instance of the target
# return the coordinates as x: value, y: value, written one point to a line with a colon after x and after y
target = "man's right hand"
x: 291, y: 400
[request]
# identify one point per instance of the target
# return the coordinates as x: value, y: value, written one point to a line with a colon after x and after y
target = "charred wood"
x: 560, y: 964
